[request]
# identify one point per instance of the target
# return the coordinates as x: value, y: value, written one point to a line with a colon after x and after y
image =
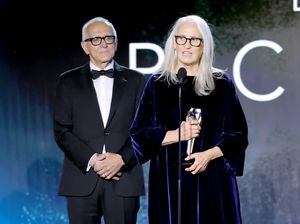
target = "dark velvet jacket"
x: 210, y: 196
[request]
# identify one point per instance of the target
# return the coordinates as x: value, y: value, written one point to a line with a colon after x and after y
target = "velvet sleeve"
x: 147, y: 132
x: 234, y: 139
x: 126, y: 151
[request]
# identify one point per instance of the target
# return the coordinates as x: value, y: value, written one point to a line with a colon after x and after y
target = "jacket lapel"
x: 118, y: 90
x: 91, y: 94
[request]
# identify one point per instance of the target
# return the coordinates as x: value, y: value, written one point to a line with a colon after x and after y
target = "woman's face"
x: 188, y: 44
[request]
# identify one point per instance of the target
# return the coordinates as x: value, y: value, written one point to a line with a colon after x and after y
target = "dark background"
x: 40, y: 40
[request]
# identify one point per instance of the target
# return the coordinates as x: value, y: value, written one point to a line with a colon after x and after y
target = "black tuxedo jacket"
x: 79, y: 130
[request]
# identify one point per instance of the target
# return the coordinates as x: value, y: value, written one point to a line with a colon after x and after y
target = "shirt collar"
x: 109, y: 66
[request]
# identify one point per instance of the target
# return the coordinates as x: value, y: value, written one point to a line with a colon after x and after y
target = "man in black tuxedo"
x: 93, y: 113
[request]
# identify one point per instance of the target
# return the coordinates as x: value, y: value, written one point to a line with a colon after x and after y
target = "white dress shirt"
x: 104, y: 88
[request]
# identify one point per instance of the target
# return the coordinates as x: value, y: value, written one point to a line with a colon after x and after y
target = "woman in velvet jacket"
x: 209, y: 192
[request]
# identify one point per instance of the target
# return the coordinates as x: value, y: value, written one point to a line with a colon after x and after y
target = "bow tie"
x: 96, y: 74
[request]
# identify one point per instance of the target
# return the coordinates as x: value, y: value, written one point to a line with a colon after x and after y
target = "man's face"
x: 103, y: 53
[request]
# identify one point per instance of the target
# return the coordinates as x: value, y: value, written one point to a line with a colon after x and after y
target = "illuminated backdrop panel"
x: 256, y: 41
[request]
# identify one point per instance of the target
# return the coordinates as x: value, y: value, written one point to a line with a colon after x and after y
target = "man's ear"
x: 84, y: 47
x: 116, y: 45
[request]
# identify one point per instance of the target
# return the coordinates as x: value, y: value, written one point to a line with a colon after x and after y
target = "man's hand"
x: 108, y: 166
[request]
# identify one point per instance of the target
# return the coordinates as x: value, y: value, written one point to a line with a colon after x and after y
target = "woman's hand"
x: 189, y: 130
x: 202, y: 159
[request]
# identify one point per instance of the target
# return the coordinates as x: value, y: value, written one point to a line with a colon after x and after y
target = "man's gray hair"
x: 97, y: 20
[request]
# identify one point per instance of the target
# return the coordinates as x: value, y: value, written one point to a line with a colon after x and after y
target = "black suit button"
x: 106, y: 133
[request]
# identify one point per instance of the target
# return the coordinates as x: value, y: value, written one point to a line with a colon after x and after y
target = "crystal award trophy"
x: 193, y: 114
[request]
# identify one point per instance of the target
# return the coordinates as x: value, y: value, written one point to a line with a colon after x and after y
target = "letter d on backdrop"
x: 133, y: 47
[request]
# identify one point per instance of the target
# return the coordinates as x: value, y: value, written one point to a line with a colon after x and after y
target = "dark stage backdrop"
x: 256, y: 41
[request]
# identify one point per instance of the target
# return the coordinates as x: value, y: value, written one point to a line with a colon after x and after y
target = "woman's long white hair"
x: 204, y: 82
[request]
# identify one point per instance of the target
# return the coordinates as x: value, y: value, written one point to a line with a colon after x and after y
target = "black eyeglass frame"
x: 188, y: 39
x: 106, y: 39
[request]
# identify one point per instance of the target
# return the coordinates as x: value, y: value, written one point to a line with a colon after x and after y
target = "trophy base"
x: 187, y: 163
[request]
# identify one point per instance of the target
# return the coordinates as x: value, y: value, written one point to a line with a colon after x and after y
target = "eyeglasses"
x: 194, y: 41
x: 95, y: 41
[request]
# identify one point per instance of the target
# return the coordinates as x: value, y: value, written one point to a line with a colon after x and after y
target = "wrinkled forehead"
x: 188, y: 29
x: 98, y: 29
